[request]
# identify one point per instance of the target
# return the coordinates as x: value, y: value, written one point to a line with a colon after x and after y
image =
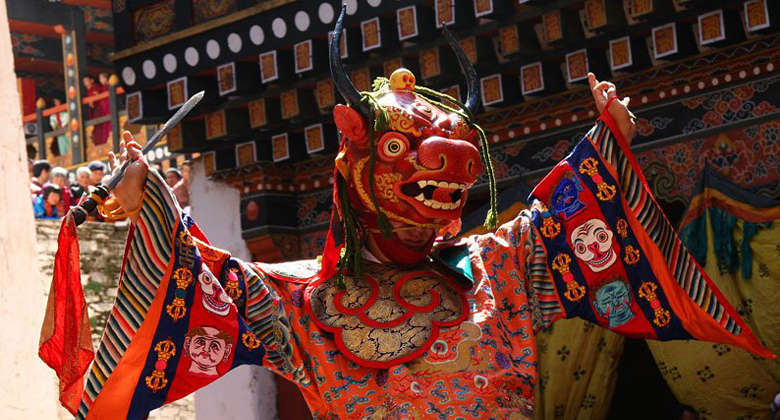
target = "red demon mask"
x: 415, y: 167
x: 426, y: 158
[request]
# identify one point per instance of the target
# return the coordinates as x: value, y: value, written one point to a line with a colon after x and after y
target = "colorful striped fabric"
x: 146, y: 259
x: 542, y: 285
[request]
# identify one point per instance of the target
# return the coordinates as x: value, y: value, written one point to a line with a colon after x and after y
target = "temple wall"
x: 27, y: 386
x: 248, y: 392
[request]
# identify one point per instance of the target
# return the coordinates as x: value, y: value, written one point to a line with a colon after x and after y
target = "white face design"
x: 592, y: 242
x: 215, y: 300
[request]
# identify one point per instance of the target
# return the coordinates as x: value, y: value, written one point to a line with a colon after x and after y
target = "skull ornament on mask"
x: 592, y: 243
x: 214, y: 299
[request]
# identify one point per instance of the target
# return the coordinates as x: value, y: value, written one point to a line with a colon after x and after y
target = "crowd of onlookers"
x: 55, y: 190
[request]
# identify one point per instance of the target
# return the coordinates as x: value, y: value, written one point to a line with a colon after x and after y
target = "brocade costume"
x: 451, y: 337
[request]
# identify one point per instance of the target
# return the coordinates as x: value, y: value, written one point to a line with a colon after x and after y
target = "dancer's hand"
x: 130, y: 189
x: 618, y: 109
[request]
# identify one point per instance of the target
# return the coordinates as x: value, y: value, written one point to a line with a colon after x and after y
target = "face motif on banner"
x: 207, y: 347
x: 565, y: 200
x: 613, y: 301
x: 592, y: 243
x: 215, y: 300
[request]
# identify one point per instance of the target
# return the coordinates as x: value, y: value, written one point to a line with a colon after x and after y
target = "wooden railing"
x: 44, y: 131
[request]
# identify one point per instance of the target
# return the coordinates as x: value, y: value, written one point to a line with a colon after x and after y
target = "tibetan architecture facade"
x: 56, y: 44
x: 702, y: 75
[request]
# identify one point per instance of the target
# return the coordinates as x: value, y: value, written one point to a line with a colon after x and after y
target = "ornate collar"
x: 389, y: 317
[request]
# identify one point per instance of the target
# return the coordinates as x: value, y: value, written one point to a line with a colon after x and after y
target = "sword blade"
x: 175, y: 119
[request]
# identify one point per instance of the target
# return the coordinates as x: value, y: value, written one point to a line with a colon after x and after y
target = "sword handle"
x: 89, y: 205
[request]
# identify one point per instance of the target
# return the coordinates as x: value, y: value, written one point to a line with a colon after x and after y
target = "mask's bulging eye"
x: 425, y: 110
x: 392, y: 145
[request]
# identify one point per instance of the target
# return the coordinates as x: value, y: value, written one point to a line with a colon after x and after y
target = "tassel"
x: 384, y: 225
x: 491, y: 220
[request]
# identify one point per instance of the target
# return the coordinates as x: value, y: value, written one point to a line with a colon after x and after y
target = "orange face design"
x: 426, y: 160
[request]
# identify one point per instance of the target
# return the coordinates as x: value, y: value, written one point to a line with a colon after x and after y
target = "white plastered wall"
x: 248, y: 392
x: 28, y: 388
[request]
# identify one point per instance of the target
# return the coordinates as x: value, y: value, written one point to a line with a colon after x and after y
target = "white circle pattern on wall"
x: 234, y: 42
x: 326, y: 13
x: 170, y: 63
x: 150, y: 70
x: 191, y: 56
x: 256, y: 35
x: 302, y: 21
x: 351, y: 6
x: 212, y: 49
x: 279, y: 27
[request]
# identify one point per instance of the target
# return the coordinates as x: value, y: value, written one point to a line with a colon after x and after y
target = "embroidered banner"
x: 192, y: 333
x: 615, y: 259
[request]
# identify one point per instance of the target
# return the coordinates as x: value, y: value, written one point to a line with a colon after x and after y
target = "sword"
x: 81, y: 211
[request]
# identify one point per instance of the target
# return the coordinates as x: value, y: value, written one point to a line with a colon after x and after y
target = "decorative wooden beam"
x: 673, y: 41
x: 540, y: 78
x: 379, y: 35
x: 321, y: 139
x: 628, y: 54
x: 603, y: 15
x: 197, y: 29
x: 492, y: 9
x: 579, y: 63
x: 720, y: 27
x: 415, y: 23
x: 499, y: 90
x: 561, y: 27
x: 454, y: 17
x: 761, y: 16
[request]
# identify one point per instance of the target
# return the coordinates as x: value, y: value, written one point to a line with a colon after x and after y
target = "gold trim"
x: 203, y: 27
x: 367, y: 199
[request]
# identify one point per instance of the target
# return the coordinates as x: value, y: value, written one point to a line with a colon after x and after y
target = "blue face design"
x: 565, y: 199
x: 613, y: 301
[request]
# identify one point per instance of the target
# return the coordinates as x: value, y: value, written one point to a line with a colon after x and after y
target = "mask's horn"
x: 472, y: 83
x: 340, y: 77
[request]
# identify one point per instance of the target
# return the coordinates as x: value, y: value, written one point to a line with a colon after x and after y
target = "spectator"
x: 98, y: 169
x: 98, y: 109
x: 30, y: 166
x: 186, y: 168
x: 775, y: 408
x: 45, y: 205
x: 172, y: 177
x: 82, y: 185
x: 59, y: 177
x: 59, y: 120
x: 40, y: 171
x: 179, y: 184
